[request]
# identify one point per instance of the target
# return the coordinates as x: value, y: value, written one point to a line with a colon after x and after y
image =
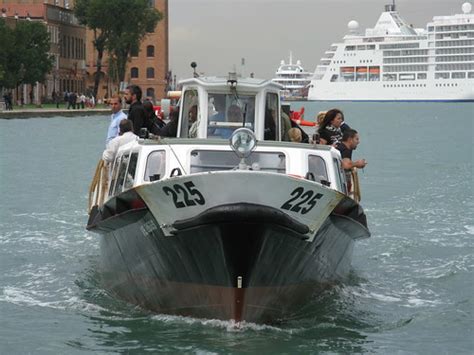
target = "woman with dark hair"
x: 330, y: 129
x: 153, y: 123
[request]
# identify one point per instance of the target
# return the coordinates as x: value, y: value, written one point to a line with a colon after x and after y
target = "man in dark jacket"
x: 136, y: 112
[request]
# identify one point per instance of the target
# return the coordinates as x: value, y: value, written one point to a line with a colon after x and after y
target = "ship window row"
x: 361, y: 47
x: 404, y: 76
x: 454, y: 75
x: 455, y: 50
x: 446, y: 84
x: 404, y: 85
x: 402, y: 68
x: 459, y: 66
x: 399, y: 45
x: 458, y: 58
x: 405, y: 53
x: 405, y: 60
x: 458, y: 43
x: 451, y: 28
x: 443, y: 36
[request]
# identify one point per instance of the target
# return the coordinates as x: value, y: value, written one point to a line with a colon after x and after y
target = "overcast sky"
x: 216, y: 34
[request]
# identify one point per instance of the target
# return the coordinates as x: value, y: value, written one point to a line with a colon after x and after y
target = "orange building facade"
x: 67, y: 46
x: 148, y: 67
x: 75, y: 57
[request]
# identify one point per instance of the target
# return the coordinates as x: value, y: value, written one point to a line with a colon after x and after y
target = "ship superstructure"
x: 394, y: 61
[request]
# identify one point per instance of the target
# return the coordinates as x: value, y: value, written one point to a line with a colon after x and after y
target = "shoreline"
x: 34, y: 113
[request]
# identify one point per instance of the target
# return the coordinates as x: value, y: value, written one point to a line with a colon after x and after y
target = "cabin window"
x: 120, y: 175
x: 155, y: 166
x: 114, y: 175
x: 132, y: 168
x: 205, y: 160
x: 317, y: 167
x: 272, y: 118
x: 228, y: 112
x: 341, y: 176
x: 190, y: 116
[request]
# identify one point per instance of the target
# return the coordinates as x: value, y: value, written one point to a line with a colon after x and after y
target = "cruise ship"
x: 294, y: 79
x: 395, y: 62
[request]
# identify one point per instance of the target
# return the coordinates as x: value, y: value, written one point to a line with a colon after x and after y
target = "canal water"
x: 410, y: 291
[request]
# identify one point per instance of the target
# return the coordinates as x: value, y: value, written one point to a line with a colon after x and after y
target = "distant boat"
x: 246, y: 228
x: 294, y: 79
x: 395, y: 62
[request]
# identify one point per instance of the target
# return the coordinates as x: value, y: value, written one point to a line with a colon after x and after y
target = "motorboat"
x: 226, y: 220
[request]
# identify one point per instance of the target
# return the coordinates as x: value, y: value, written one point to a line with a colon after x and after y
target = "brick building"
x: 68, y: 40
x: 148, y: 66
x: 75, y: 57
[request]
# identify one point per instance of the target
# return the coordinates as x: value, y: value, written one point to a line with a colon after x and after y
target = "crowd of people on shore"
x: 8, y: 100
x: 74, y: 100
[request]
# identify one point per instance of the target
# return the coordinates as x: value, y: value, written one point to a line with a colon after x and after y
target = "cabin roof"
x: 216, y: 82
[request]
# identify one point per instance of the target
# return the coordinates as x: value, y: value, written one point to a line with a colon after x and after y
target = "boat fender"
x: 176, y: 172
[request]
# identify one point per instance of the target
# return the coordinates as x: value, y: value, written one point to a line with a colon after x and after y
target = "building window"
x: 134, y: 51
x: 150, y: 51
x: 134, y: 73
x: 150, y: 94
x: 150, y: 73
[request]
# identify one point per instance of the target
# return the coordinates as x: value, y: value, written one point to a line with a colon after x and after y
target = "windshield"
x: 227, y: 112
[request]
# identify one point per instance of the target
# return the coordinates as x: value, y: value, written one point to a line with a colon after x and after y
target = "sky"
x: 217, y: 34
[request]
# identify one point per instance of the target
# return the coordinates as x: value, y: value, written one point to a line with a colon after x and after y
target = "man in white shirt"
x: 117, y: 115
x: 126, y: 135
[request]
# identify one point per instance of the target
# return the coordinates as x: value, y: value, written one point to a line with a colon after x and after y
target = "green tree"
x: 24, y: 53
x: 118, y: 26
x: 7, y: 77
x: 32, y: 45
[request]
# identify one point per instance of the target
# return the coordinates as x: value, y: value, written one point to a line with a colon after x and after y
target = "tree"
x: 24, y: 54
x: 118, y: 26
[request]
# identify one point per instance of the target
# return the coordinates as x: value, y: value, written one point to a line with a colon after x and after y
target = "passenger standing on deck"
x: 330, y: 130
x: 171, y: 128
x: 136, y: 112
x: 154, y: 123
x: 117, y: 115
x: 193, y: 122
x: 295, y: 135
x: 126, y: 135
x: 350, y: 141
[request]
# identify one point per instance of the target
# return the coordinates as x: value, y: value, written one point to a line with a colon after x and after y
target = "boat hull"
x: 196, y: 272
x: 245, y: 261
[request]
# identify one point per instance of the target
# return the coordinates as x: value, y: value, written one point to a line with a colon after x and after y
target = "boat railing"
x: 355, y: 186
x: 99, y: 186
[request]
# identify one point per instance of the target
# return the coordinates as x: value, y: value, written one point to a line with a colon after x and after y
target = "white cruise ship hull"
x: 455, y: 90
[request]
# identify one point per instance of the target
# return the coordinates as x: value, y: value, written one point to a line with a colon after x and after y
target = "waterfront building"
x: 67, y: 47
x: 147, y: 68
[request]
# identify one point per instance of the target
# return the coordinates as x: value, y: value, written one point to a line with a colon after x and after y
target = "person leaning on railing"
x: 350, y: 141
x: 126, y: 135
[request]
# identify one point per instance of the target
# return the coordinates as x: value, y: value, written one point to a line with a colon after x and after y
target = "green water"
x: 410, y: 292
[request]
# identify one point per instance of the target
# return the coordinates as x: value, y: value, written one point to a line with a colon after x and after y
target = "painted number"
x: 185, y: 196
x: 301, y: 201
